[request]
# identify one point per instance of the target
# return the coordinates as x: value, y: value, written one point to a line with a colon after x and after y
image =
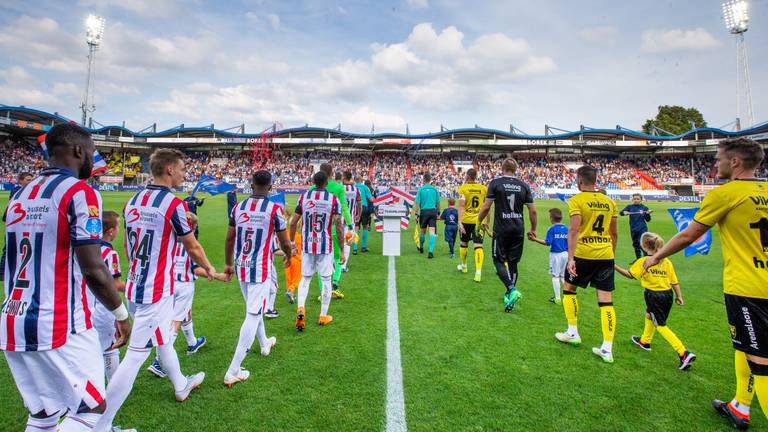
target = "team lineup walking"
x: 64, y: 283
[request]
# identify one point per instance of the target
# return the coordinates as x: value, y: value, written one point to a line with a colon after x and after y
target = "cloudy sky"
x: 386, y: 63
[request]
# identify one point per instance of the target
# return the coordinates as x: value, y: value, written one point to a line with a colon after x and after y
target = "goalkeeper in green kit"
x: 337, y: 189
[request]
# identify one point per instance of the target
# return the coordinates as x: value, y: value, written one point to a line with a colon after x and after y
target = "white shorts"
x: 255, y: 295
x: 557, y: 263
x: 151, y: 324
x: 322, y: 264
x: 184, y: 293
x: 59, y: 379
x: 273, y: 279
x: 104, y: 323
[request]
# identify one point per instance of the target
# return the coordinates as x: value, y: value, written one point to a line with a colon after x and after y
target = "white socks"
x: 556, y: 287
x: 347, y: 249
x: 170, y: 362
x: 77, y: 422
x: 607, y: 346
x: 121, y: 385
x: 304, y: 290
x: 271, y: 296
x: 248, y: 332
x: 189, y: 332
x: 325, y: 294
x: 42, y: 424
x: 741, y: 408
x: 573, y: 330
x: 111, y: 362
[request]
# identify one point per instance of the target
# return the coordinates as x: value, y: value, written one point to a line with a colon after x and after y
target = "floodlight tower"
x: 736, y: 15
x: 94, y: 31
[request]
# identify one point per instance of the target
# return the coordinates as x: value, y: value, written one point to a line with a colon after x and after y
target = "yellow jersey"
x: 473, y: 195
x: 596, y: 211
x: 740, y: 210
x: 660, y: 277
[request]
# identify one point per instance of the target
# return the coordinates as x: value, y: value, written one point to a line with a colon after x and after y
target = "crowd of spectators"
x: 19, y: 156
x: 404, y: 169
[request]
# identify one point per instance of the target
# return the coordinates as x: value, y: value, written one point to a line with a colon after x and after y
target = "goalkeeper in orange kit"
x: 293, y: 273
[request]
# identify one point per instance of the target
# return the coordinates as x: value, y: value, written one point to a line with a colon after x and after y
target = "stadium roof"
x: 32, y: 122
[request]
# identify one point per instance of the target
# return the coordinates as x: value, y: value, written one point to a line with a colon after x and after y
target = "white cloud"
x: 664, y: 41
x: 61, y: 88
x: 42, y: 43
x: 418, y: 4
x: 600, y: 35
x: 252, y: 17
x: 363, y: 118
x: 19, y: 87
x: 145, y: 8
x: 274, y: 21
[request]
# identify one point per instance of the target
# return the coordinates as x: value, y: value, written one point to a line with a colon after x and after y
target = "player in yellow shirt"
x: 592, y: 237
x: 471, y: 197
x: 659, y: 282
x: 740, y: 210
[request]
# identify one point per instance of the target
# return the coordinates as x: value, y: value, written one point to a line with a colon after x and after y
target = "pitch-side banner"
x: 683, y: 217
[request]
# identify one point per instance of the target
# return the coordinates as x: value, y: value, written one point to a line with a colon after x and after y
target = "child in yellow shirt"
x: 659, y: 282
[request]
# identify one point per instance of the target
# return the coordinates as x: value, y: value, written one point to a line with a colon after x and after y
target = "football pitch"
x: 466, y: 364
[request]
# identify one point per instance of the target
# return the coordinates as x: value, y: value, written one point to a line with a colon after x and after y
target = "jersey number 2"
x: 25, y: 247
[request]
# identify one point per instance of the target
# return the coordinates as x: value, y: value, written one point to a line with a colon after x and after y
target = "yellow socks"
x: 571, y: 308
x: 672, y: 338
x: 744, y: 380
x: 761, y: 389
x: 608, y: 322
x: 648, y: 331
x: 463, y: 252
x: 479, y: 257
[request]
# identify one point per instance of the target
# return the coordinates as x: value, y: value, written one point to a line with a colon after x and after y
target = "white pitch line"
x: 395, y: 397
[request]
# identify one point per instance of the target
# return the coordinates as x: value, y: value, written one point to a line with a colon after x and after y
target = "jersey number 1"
x: 762, y: 226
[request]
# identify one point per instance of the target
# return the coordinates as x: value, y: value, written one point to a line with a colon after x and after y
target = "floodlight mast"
x: 94, y: 31
x: 736, y: 16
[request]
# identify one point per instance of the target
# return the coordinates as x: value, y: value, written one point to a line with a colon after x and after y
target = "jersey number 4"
x: 599, y: 225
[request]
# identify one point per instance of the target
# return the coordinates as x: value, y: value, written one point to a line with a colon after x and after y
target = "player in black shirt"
x: 509, y: 195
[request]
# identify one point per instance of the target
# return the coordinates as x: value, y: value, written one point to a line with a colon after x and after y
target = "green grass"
x: 466, y: 364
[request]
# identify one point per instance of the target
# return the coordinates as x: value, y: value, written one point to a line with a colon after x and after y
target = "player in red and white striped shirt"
x: 354, y: 203
x: 319, y: 211
x: 53, y: 234
x: 252, y: 225
x: 154, y: 219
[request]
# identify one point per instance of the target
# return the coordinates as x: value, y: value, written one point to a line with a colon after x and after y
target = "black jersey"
x: 509, y: 196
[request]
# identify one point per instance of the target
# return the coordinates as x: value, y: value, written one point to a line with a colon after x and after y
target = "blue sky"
x: 385, y: 63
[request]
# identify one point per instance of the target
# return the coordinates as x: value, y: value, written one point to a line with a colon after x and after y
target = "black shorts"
x: 748, y: 322
x: 597, y: 273
x: 508, y: 247
x: 658, y: 304
x: 365, y: 217
x: 428, y: 218
x: 474, y: 233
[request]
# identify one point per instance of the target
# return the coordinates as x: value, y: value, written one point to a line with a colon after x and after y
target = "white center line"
x: 395, y: 397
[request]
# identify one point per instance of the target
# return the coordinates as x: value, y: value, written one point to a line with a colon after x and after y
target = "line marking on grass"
x: 395, y: 397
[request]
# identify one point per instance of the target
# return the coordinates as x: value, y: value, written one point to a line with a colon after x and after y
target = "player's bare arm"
x: 614, y: 231
x: 292, y: 232
x: 339, y: 235
x: 197, y: 253
x: 460, y: 209
x: 484, y: 211
x: 623, y: 272
x: 678, y: 295
x: 286, y: 247
x: 102, y: 285
x: 677, y: 243
x: 573, y: 238
x: 534, y: 217
x: 229, y: 251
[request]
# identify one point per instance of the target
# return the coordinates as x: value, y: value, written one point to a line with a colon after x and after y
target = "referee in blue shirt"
x: 639, y: 215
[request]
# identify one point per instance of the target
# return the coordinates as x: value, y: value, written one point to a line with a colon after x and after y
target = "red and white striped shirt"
x: 183, y: 266
x: 45, y: 294
x: 352, y: 194
x: 154, y: 220
x: 317, y: 209
x: 112, y: 261
x: 256, y: 220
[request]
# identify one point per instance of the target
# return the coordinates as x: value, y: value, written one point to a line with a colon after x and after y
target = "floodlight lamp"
x: 94, y: 29
x: 736, y: 16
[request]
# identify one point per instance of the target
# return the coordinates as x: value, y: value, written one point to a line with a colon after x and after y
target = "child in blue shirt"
x: 451, y: 218
x: 557, y: 240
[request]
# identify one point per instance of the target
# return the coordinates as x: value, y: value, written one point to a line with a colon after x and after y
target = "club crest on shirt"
x: 93, y: 227
x: 93, y: 211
